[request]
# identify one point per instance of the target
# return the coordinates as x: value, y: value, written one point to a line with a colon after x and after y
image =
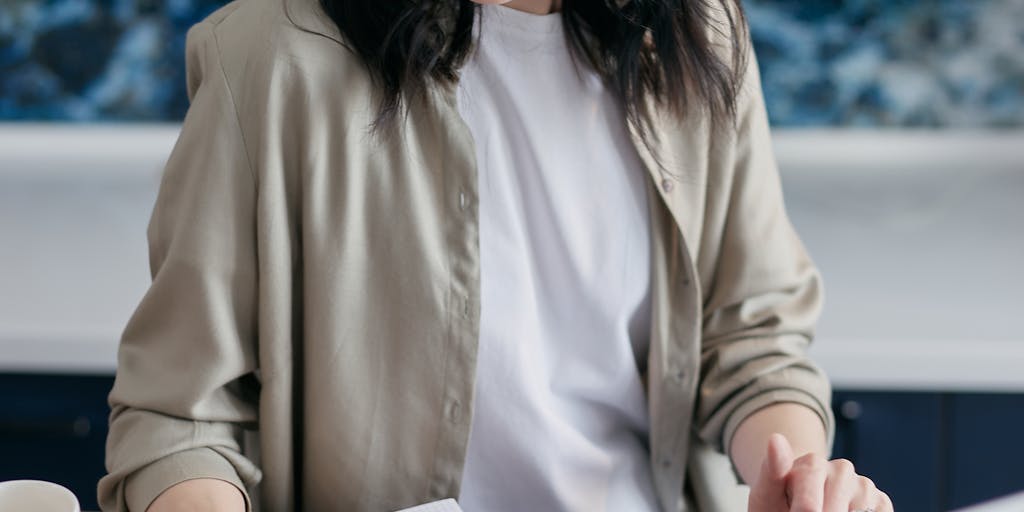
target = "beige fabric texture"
x: 310, y: 332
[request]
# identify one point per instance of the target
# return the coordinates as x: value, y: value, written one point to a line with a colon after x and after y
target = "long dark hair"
x: 665, y: 49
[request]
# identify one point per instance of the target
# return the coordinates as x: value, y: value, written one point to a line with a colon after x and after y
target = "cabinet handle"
x: 851, y: 410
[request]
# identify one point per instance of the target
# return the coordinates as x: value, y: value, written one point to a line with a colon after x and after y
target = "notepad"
x: 448, y: 505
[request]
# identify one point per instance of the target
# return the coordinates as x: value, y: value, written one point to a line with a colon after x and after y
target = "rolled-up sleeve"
x: 186, y: 390
x: 763, y: 298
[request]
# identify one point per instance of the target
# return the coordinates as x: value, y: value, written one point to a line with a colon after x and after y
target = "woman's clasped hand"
x: 812, y: 483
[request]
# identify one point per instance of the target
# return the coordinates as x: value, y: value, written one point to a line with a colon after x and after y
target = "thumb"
x: 779, y: 459
x: 769, y: 491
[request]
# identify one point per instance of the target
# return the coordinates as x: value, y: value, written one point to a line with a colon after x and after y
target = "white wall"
x: 920, y: 238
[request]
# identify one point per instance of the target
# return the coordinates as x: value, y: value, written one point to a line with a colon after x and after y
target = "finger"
x: 884, y: 503
x: 769, y: 491
x: 806, y: 484
x: 841, y: 486
x: 866, y: 496
x: 779, y: 460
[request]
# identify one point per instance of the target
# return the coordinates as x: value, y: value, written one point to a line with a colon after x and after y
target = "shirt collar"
x: 309, y: 16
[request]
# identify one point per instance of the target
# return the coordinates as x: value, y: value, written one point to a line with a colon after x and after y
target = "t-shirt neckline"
x: 509, y: 20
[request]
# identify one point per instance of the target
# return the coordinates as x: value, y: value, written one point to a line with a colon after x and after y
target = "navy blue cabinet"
x: 897, y: 440
x: 986, y: 456
x: 54, y: 428
x: 933, y: 452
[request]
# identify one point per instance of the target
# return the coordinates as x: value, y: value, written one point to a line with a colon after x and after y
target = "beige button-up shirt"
x: 311, y: 330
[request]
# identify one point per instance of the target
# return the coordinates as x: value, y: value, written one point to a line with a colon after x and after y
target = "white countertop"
x: 919, y: 236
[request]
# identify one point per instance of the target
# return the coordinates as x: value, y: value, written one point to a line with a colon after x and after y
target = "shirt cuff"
x: 146, y: 484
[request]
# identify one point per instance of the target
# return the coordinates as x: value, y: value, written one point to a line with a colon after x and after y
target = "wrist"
x: 800, y: 425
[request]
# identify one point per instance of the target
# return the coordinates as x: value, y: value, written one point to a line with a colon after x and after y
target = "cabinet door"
x: 54, y: 428
x: 894, y: 438
x: 986, y: 457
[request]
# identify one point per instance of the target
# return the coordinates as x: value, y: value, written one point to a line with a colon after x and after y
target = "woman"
x: 532, y: 256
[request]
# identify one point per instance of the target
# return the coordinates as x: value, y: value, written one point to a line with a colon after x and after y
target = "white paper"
x: 448, y: 505
x: 1014, y: 503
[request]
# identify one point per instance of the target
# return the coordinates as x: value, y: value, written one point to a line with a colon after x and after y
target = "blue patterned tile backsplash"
x: 908, y: 63
x: 879, y: 63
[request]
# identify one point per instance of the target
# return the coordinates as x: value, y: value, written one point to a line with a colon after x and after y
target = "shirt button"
x: 666, y: 185
x: 677, y: 373
x: 454, y: 410
x: 462, y: 200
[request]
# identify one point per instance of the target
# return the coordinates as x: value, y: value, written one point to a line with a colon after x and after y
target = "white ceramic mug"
x: 36, y: 496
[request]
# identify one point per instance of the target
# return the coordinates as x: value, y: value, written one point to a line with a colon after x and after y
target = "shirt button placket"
x: 455, y: 412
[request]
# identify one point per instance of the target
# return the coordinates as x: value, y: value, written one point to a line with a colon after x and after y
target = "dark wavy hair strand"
x: 642, y: 48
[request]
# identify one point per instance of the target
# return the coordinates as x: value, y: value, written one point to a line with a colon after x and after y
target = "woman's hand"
x: 811, y: 484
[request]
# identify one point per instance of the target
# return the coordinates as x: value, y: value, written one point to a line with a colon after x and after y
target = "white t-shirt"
x: 560, y: 421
